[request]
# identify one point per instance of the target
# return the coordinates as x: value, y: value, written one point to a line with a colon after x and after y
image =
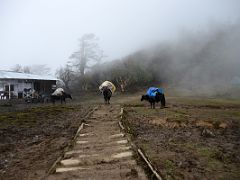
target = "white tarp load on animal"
x: 109, y: 85
x: 58, y: 92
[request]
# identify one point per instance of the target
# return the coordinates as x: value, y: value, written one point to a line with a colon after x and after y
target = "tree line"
x: 85, y: 71
x: 195, y: 61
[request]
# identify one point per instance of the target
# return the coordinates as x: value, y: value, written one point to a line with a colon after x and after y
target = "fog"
x: 47, y: 31
x: 196, y: 63
x: 206, y: 62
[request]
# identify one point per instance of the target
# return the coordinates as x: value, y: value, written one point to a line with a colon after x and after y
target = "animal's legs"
x: 153, y: 105
x: 163, y: 101
x: 105, y: 100
x: 53, y: 100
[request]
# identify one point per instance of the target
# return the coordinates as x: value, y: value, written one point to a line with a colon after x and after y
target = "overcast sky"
x: 46, y: 31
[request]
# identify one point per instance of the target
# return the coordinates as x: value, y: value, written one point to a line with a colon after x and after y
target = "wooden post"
x: 9, y: 91
x: 149, y: 165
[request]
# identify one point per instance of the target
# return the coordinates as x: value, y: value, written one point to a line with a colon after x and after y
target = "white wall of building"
x: 19, y: 85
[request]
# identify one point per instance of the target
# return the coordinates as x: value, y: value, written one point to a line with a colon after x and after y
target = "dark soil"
x: 189, y: 140
x: 33, y: 138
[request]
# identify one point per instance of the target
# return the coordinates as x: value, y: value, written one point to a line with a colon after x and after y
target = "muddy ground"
x: 101, y: 151
x: 33, y: 137
x: 194, y: 138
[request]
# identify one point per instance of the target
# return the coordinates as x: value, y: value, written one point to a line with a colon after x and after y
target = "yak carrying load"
x: 109, y: 85
x: 58, y: 92
x: 152, y: 91
x: 107, y: 89
x: 154, y: 95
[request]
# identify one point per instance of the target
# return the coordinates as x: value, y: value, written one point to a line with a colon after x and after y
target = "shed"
x: 13, y: 84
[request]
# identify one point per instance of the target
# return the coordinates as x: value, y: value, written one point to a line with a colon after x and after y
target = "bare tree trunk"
x: 122, y: 83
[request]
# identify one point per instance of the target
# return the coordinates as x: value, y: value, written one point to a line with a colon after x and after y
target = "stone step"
x: 101, y: 130
x: 125, y: 173
x: 88, y: 145
x: 127, y: 163
x: 103, y: 150
x: 84, y: 159
x: 99, y: 140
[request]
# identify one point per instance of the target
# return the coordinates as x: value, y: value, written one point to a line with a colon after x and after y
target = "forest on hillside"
x: 204, y: 61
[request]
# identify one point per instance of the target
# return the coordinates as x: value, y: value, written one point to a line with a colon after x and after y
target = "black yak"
x: 154, y: 95
x: 107, y: 94
x: 107, y: 88
x: 61, y: 97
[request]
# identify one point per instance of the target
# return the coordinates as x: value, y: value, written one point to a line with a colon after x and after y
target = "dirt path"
x: 101, y: 151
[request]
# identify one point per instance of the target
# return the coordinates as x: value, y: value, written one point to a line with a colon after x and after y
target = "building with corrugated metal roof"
x: 15, y: 84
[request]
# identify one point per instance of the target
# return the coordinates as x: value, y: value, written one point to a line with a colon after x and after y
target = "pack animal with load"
x: 107, y: 88
x: 154, y: 95
x: 59, y: 94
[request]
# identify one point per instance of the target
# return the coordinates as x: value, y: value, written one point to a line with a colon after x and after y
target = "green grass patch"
x: 134, y: 105
x: 6, y: 105
x: 189, y: 145
x: 206, y: 152
x: 213, y: 154
x: 234, y: 113
x: 169, y: 167
x: 33, y: 115
x: 146, y: 111
x: 207, y: 102
x: 176, y: 116
x: 215, y: 165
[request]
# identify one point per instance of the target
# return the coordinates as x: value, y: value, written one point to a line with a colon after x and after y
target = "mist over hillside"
x: 205, y: 62
x: 200, y: 62
x: 210, y: 58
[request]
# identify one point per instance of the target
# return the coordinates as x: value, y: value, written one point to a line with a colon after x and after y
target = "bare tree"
x: 40, y: 69
x: 88, y: 54
x: 17, y: 68
x: 66, y: 75
x: 26, y: 69
x: 123, y: 82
